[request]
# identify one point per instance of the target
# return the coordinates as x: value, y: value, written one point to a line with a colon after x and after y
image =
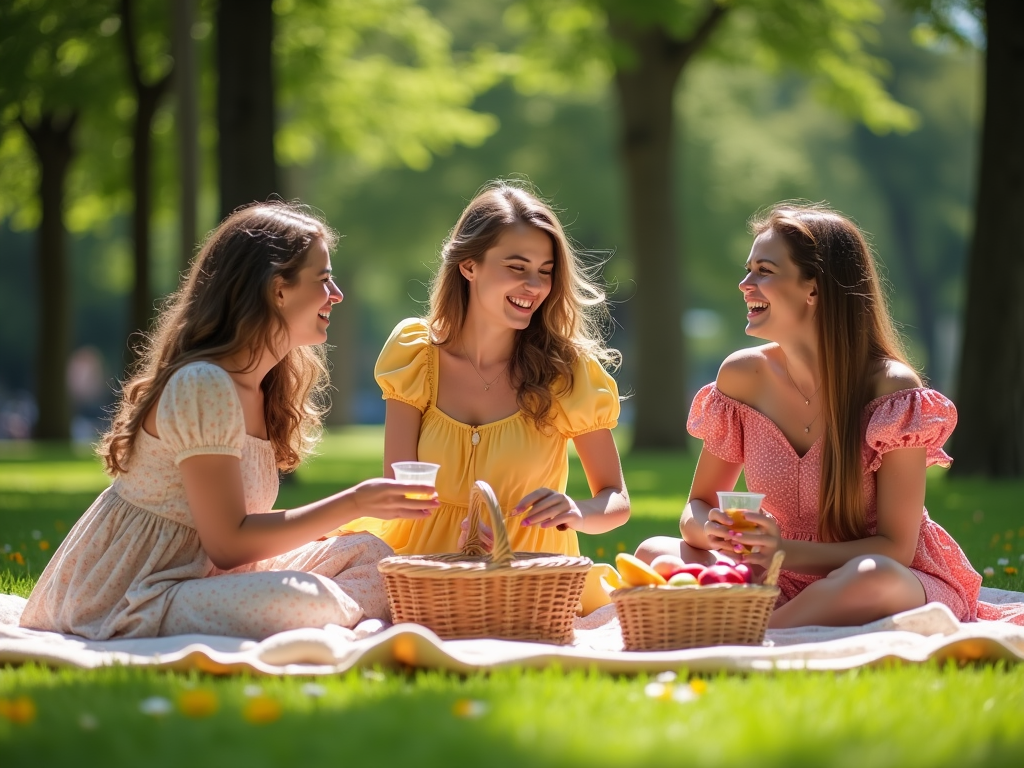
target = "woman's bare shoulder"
x: 742, y: 373
x: 893, y: 376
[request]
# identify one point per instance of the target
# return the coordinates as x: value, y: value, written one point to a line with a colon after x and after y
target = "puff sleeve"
x: 910, y: 418
x: 403, y: 369
x: 715, y: 418
x: 199, y: 413
x: 592, y: 404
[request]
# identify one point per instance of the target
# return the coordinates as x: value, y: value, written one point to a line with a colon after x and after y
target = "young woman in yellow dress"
x: 506, y: 368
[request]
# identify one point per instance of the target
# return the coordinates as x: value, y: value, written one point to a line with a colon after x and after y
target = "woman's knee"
x: 878, y: 579
x: 658, y: 545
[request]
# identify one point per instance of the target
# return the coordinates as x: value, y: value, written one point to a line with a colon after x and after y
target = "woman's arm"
x: 401, y: 434
x: 900, y: 498
x: 609, y: 506
x: 232, y: 537
x: 712, y: 475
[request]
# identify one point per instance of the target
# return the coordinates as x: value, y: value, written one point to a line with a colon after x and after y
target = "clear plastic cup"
x: 417, y: 473
x: 734, y: 504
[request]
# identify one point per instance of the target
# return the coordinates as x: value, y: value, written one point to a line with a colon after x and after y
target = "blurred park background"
x: 128, y: 128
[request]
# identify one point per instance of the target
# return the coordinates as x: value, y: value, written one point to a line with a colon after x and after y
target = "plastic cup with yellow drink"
x: 416, y: 473
x: 735, y: 504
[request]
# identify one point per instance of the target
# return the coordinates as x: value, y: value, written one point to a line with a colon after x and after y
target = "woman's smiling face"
x: 514, y: 278
x: 306, y: 305
x: 779, y: 299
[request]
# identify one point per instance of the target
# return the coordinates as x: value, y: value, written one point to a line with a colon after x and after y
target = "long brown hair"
x: 572, y: 320
x: 855, y: 332
x: 225, y: 307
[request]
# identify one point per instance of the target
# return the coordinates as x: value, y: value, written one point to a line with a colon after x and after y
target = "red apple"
x: 720, y: 574
x: 694, y: 569
x: 667, y: 565
x: 744, y: 570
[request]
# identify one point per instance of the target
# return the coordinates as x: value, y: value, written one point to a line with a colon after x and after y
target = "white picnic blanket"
x: 927, y: 633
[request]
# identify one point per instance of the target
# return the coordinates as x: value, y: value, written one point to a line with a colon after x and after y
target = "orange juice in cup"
x: 735, y: 504
x: 417, y: 473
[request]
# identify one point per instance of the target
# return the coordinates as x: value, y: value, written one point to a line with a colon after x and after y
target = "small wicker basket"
x: 668, y: 618
x: 513, y: 596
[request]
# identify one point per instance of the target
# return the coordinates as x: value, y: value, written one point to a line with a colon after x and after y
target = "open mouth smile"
x: 520, y: 304
x: 754, y: 308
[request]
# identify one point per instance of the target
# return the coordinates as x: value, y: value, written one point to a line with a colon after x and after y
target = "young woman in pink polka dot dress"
x: 834, y: 427
x: 228, y: 392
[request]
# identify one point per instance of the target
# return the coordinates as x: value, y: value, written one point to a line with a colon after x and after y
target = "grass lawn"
x: 898, y: 716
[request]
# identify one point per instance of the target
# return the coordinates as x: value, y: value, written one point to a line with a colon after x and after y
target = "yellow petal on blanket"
x: 404, y: 650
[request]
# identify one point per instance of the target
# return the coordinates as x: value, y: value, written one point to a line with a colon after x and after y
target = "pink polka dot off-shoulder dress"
x: 133, y: 565
x: 920, y: 417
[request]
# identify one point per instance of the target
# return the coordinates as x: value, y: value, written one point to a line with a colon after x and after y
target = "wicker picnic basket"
x: 667, y: 618
x: 473, y: 593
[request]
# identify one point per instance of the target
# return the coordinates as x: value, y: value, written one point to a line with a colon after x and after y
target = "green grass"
x: 894, y: 716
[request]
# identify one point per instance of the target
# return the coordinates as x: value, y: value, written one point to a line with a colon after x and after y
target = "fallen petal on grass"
x: 261, y: 710
x: 155, y: 706
x: 469, y: 708
x: 198, y: 703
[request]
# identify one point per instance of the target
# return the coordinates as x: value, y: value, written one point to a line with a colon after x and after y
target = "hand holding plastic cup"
x: 734, y: 504
x: 417, y: 473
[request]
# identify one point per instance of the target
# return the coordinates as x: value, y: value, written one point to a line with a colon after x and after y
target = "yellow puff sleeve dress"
x: 512, y: 454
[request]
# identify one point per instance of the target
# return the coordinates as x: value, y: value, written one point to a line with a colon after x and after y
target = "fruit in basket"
x: 668, y: 565
x: 636, y: 573
x: 720, y: 574
x: 683, y: 579
x: 744, y: 570
x: 694, y: 569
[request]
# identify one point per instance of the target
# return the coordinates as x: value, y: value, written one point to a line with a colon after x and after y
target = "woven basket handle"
x: 771, y: 578
x: 482, y: 496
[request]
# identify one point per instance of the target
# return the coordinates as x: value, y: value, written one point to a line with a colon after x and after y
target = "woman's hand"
x: 486, y: 535
x: 390, y: 500
x: 549, y: 509
x: 758, y: 546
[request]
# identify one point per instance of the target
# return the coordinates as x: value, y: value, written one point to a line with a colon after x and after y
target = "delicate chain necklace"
x: 487, y: 384
x: 807, y: 400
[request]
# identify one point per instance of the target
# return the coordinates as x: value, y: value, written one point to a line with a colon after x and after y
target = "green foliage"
x: 572, y: 42
x: 376, y: 79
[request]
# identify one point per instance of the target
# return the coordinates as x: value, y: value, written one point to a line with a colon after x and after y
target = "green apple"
x: 682, y: 580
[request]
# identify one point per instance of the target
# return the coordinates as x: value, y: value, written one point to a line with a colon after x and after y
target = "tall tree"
x: 990, y: 397
x: 644, y: 47
x: 246, y: 166
x: 187, y: 119
x: 148, y: 93
x: 53, y: 69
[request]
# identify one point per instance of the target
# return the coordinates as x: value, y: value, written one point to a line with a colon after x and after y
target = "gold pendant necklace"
x: 807, y: 400
x: 487, y: 384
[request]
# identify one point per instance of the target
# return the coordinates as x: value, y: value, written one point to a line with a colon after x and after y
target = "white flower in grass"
x: 469, y: 709
x: 155, y: 706
x: 380, y: 677
x: 37, y: 535
x: 990, y: 571
x: 1021, y: 558
x: 7, y: 548
x: 88, y: 722
x: 251, y: 691
x: 666, y: 677
x: 1003, y: 561
x: 314, y: 690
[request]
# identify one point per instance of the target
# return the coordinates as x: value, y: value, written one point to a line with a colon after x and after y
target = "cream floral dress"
x: 133, y: 565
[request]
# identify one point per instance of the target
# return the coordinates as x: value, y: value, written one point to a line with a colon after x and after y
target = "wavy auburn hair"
x: 225, y: 306
x: 571, y: 323
x: 855, y: 331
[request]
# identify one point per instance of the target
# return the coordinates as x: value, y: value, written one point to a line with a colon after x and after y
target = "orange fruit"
x: 637, y: 573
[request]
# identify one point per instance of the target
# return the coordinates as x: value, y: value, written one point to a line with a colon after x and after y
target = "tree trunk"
x: 52, y: 139
x: 990, y: 437
x: 646, y: 93
x: 147, y: 100
x: 188, y: 126
x: 245, y: 102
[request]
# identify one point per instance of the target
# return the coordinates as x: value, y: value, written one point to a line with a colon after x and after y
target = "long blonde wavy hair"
x: 571, y: 323
x: 855, y: 332
x: 225, y: 307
